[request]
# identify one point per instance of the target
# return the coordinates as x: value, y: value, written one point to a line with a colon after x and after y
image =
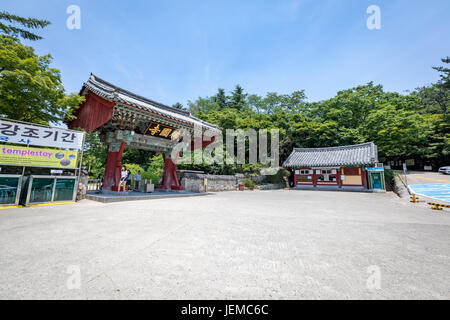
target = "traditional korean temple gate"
x: 125, y: 119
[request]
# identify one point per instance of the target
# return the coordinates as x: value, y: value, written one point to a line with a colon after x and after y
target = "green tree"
x: 256, y: 103
x: 178, y: 106
x: 221, y: 99
x: 94, y: 156
x: 399, y: 132
x: 445, y: 73
x: 238, y: 99
x: 435, y: 101
x: 138, y: 156
x: 203, y: 106
x: 30, y: 90
x: 27, y: 23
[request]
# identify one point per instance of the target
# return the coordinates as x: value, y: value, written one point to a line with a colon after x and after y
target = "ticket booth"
x: 10, y: 188
x: 40, y: 189
x: 376, y: 179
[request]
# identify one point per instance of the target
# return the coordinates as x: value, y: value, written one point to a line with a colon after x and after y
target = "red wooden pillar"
x: 364, y: 178
x: 170, y: 180
x: 338, y: 178
x: 113, y: 167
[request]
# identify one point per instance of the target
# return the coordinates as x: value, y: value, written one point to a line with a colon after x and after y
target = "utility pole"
x: 406, y: 180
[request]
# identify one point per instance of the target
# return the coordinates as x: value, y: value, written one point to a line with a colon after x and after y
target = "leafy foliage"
x: 278, y: 178
x: 145, y: 175
x: 410, y: 125
x: 14, y: 31
x: 30, y: 90
x: 178, y: 106
x: 389, y: 177
x: 249, y: 184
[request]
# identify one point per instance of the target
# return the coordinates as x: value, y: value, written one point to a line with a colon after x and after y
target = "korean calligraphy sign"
x: 39, y: 136
x: 160, y: 131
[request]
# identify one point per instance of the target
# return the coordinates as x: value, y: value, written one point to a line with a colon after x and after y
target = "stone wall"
x: 196, y: 182
x: 271, y: 186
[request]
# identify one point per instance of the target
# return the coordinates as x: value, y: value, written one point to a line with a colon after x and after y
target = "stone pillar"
x: 170, y: 180
x: 113, y: 166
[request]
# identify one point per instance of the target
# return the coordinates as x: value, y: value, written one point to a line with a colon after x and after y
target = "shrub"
x: 249, y: 184
x: 133, y: 168
x: 156, y: 165
x: 277, y: 178
x: 154, y: 172
x: 152, y: 176
x: 389, y: 178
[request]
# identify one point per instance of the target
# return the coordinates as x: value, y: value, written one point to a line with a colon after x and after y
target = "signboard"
x: 42, y: 157
x: 375, y: 169
x: 161, y: 131
x: 28, y: 134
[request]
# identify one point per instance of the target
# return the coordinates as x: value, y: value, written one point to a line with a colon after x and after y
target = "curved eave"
x: 116, y: 99
x: 324, y: 165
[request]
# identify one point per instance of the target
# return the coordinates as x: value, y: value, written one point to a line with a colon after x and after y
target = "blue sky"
x: 174, y: 51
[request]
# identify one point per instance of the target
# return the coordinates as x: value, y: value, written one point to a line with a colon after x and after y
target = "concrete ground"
x: 424, y: 177
x: 231, y: 245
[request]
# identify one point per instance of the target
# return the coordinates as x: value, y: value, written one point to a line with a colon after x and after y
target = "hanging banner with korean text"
x: 41, y: 157
x: 28, y: 134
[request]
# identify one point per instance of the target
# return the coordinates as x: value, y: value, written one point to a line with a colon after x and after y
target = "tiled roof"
x: 358, y: 154
x: 111, y: 92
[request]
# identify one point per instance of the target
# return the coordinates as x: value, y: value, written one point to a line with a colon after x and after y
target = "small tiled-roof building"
x: 339, y: 167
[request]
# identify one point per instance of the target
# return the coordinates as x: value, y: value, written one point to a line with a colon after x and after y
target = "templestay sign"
x: 28, y: 134
x: 41, y: 157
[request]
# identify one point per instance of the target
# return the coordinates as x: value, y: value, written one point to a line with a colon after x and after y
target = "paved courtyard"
x: 230, y: 245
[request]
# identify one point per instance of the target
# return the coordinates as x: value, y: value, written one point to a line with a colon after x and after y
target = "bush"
x: 156, y: 165
x: 249, y: 184
x: 133, y: 168
x: 389, y: 178
x: 154, y: 176
x: 277, y: 178
x: 151, y: 176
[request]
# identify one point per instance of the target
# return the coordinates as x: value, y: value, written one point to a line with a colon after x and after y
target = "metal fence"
x: 94, y: 184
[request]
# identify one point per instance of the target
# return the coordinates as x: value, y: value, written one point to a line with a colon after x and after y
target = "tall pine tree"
x: 11, y: 28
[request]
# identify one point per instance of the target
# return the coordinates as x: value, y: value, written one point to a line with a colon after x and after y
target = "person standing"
x: 123, y: 178
x: 128, y: 179
x: 137, y: 180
